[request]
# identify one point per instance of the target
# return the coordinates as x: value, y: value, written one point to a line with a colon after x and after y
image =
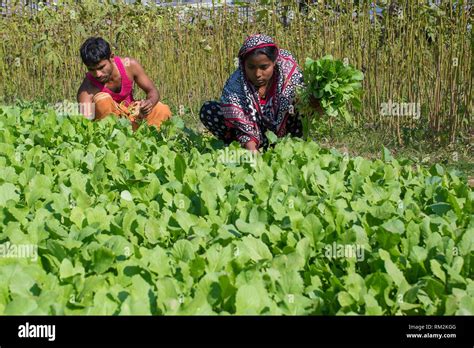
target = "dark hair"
x: 270, y: 51
x: 93, y: 50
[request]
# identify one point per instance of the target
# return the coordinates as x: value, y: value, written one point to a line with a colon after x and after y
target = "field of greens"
x: 171, y: 222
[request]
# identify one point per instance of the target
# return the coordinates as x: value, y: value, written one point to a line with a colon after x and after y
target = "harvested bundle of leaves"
x: 334, y: 84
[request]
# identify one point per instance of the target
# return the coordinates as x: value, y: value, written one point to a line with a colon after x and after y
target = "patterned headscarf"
x: 240, y: 103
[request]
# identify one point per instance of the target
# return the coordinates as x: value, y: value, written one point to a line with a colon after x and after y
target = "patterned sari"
x: 240, y: 115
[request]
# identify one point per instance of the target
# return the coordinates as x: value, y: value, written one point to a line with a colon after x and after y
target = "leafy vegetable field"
x: 172, y: 222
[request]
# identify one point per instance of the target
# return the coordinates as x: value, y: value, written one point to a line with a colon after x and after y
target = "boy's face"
x: 102, y: 71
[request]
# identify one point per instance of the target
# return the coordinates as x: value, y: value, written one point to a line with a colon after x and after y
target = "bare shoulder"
x: 87, y: 90
x: 87, y: 86
x: 132, y: 65
x: 131, y: 61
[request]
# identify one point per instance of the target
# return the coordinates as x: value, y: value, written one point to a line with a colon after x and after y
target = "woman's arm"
x: 251, y: 146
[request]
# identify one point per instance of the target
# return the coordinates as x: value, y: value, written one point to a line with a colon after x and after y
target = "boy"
x: 109, y: 82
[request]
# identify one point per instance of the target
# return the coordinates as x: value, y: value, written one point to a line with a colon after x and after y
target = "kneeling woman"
x: 259, y: 96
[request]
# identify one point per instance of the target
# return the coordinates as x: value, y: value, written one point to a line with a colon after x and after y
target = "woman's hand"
x: 251, y: 146
x: 314, y: 102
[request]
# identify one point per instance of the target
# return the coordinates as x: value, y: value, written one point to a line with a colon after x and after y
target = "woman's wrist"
x: 251, y: 145
x: 316, y: 104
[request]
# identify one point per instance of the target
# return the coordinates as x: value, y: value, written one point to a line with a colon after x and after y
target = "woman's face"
x: 259, y: 69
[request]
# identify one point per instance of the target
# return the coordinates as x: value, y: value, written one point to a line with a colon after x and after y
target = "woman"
x: 259, y: 96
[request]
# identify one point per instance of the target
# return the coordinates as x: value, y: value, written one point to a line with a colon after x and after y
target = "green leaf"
x: 67, y: 270
x: 38, y: 188
x: 179, y: 167
x: 98, y: 218
x: 255, y: 228
x: 103, y: 304
x: 386, y: 155
x: 20, y: 305
x: 159, y: 261
x: 345, y: 299
x: 139, y: 301
x: 394, y: 226
x: 372, y: 307
x: 248, y: 300
x: 256, y: 249
x: 437, y: 271
x: 355, y: 286
x: 272, y: 138
x: 77, y: 216
x: 20, y: 282
x: 466, y: 306
x: 440, y: 208
x: 126, y: 196
x: 183, y: 250
x: 418, y: 254
x: 102, y: 259
x: 8, y: 192
x: 391, y: 268
x: 185, y: 220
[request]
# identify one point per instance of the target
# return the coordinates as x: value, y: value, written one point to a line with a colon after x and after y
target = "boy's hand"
x: 132, y: 111
x: 145, y: 107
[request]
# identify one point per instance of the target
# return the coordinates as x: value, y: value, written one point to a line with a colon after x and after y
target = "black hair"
x: 93, y: 50
x: 270, y: 51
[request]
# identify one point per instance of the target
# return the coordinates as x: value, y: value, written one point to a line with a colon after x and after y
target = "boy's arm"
x: 146, y: 84
x: 84, y: 99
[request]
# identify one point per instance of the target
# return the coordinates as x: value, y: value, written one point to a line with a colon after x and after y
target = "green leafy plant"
x: 152, y: 222
x: 332, y: 83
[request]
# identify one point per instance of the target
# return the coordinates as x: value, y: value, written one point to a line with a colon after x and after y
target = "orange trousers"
x: 105, y: 105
